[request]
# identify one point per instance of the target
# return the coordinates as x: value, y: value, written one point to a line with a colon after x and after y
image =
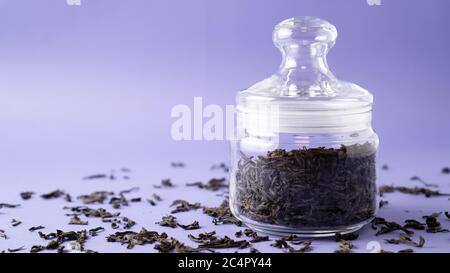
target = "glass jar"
x: 303, y: 161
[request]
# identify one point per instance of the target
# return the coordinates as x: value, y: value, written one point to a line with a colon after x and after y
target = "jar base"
x: 286, y: 231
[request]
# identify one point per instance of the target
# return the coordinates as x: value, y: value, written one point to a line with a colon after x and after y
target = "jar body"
x: 304, y: 183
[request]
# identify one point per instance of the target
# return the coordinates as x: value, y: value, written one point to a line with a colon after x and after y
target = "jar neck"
x: 304, y: 71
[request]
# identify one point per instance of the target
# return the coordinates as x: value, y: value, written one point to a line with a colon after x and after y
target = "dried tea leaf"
x: 445, y: 170
x: 75, y: 220
x: 414, y: 191
x: 3, y: 234
x: 408, y: 250
x: 225, y: 242
x: 165, y: 183
x: 37, y: 248
x: 383, y: 203
x: 182, y: 206
x: 214, y: 184
x: 416, y: 178
x: 177, y: 164
x: 57, y: 194
x: 414, y: 224
x: 194, y: 225
x: 203, y: 237
x: 254, y: 250
x: 157, y: 197
x: 131, y: 238
x: 306, y: 247
x: 95, y: 231
x: 15, y: 222
x: 346, y: 237
x: 433, y: 224
x: 8, y: 206
x: 95, y: 197
x: 95, y: 176
x: 151, y: 202
x: 26, y: 195
x: 221, y: 166
x: 168, y: 221
x: 387, y: 227
x: 345, y: 247
x: 447, y: 214
x: 16, y: 249
x: 222, y: 214
x: 36, y: 228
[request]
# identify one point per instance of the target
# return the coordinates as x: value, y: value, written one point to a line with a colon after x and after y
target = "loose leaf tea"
x: 168, y: 221
x: 3, y: 234
x: 255, y: 238
x: 75, y: 220
x: 306, y: 247
x: 177, y: 164
x: 16, y: 249
x: 95, y: 197
x: 8, y: 206
x: 95, y: 231
x: 408, y: 250
x: 406, y: 240
x: 433, y: 224
x: 308, y: 187
x: 414, y: 224
x: 36, y: 228
x: 26, y: 195
x: 157, y: 197
x: 95, y: 176
x: 221, y: 166
x: 222, y: 214
x: 445, y: 170
x: 414, y: 191
x: 346, y: 237
x: 345, y: 247
x: 416, y: 178
x: 57, y: 194
x: 131, y: 238
x: 387, y: 227
x: 183, y: 206
x: 165, y: 183
x: 225, y: 242
x: 15, y: 222
x: 59, y: 237
x: 213, y: 184
x: 203, y: 237
x: 194, y: 225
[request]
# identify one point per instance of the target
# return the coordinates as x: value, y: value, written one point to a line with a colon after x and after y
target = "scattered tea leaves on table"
x: 414, y: 191
x: 131, y: 238
x: 387, y: 227
x: 414, y: 224
x: 404, y: 239
x: 213, y: 184
x: 222, y: 214
x: 95, y: 197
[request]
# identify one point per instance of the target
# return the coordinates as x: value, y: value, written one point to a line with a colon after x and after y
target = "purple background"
x: 88, y: 88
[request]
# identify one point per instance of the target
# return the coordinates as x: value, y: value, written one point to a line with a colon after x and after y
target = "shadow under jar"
x: 304, y: 159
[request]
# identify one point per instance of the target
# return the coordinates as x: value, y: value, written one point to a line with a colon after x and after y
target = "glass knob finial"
x: 304, y: 30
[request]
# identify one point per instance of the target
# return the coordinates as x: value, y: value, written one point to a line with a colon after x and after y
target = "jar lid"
x: 304, y: 95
